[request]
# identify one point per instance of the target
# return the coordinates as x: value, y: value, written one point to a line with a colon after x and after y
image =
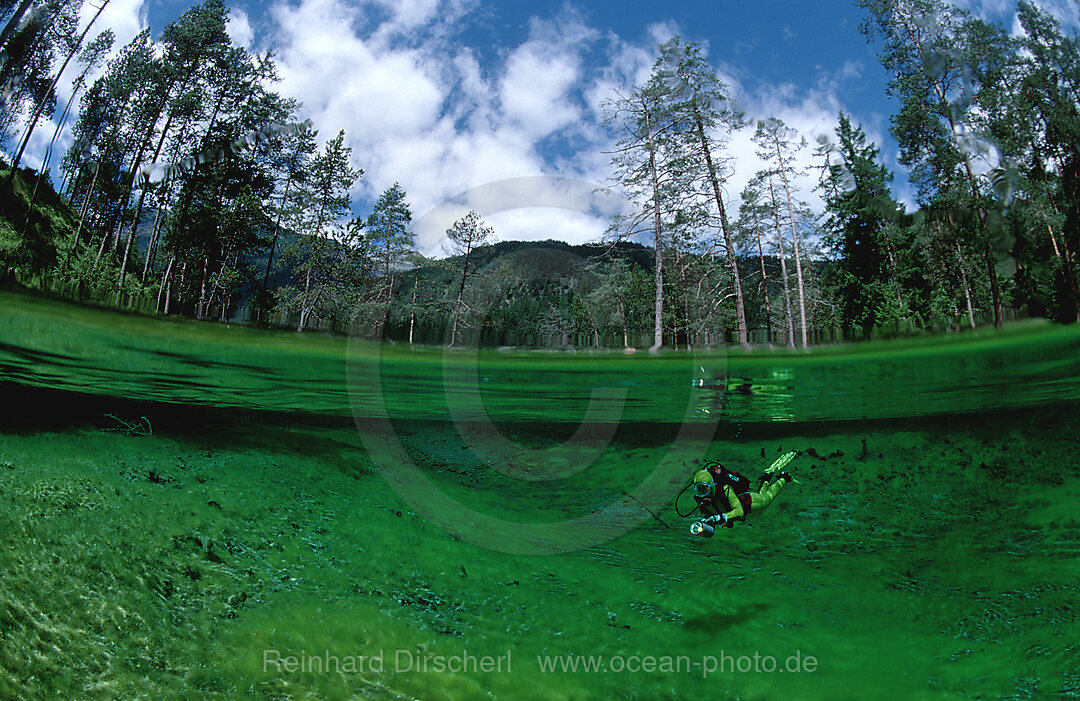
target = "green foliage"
x: 29, y: 235
x: 859, y: 207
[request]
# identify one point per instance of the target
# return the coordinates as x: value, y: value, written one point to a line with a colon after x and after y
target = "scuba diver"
x: 724, y: 496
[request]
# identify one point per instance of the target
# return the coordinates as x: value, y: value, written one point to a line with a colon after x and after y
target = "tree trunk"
x: 49, y: 151
x: 1066, y: 260
x: 740, y: 313
x: 273, y: 240
x: 200, y: 311
x: 14, y: 21
x: 217, y: 283
x: 386, y: 315
x: 995, y: 287
x: 180, y: 299
x: 765, y: 288
x: 622, y: 315
x: 142, y: 195
x: 794, y: 245
x: 412, y: 312
x: 82, y: 212
x: 686, y: 318
x: 101, y: 249
x: 783, y: 269
x: 460, y: 294
x: 964, y: 282
x: 64, y: 115
x: 52, y: 87
x: 164, y: 286
x: 304, y: 302
x: 658, y: 321
x: 226, y: 298
x: 155, y: 233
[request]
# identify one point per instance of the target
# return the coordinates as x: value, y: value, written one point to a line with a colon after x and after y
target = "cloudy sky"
x: 453, y: 96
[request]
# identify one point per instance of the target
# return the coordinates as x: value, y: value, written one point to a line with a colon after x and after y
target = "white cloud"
x: 986, y: 8
x: 430, y: 115
x: 239, y: 28
x: 427, y: 114
x: 534, y: 90
x: 441, y: 118
x: 1065, y: 11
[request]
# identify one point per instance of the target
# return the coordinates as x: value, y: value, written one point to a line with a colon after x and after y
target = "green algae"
x: 921, y: 557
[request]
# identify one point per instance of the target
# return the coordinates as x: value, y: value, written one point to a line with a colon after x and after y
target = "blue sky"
x: 448, y: 95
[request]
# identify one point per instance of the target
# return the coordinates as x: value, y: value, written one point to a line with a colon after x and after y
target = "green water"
x: 180, y: 499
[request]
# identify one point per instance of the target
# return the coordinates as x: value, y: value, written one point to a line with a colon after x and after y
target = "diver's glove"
x: 719, y: 519
x: 783, y: 475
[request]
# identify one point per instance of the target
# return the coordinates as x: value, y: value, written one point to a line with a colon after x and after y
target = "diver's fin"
x: 780, y: 462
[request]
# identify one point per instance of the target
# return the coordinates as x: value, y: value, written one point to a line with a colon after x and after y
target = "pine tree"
x: 326, y: 202
x: 778, y: 148
x: 701, y: 103
x: 466, y: 235
x: 646, y: 164
x: 858, y: 207
x: 388, y: 239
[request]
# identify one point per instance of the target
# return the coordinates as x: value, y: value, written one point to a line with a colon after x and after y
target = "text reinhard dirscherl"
x: 399, y: 661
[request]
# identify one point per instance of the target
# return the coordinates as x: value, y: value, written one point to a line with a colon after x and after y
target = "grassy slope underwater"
x: 935, y: 560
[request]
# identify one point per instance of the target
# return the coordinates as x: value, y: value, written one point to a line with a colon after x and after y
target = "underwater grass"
x: 153, y: 567
x: 930, y: 558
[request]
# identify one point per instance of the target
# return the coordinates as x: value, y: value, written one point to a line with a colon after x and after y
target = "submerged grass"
x: 923, y: 558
